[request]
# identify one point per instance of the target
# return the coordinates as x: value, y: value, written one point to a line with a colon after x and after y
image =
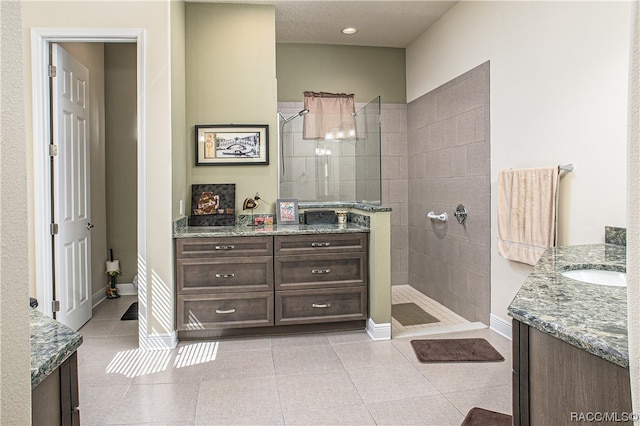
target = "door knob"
x: 89, y: 226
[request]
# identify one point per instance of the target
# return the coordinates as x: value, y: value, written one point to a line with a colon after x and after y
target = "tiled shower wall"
x: 395, y: 192
x: 448, y: 164
x: 301, y: 161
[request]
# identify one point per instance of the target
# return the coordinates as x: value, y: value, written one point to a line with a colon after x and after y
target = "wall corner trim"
x: 159, y: 341
x: 378, y: 331
x: 500, y: 326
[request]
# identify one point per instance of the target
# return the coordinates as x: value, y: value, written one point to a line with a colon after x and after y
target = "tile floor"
x: 335, y: 378
x: 449, y: 320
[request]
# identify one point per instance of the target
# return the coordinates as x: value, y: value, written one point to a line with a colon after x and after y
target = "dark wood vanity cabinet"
x: 555, y: 383
x: 246, y: 282
x: 55, y: 400
x: 224, y: 282
x: 320, y: 278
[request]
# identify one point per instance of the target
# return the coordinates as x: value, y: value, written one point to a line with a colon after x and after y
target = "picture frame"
x: 231, y: 144
x: 287, y: 211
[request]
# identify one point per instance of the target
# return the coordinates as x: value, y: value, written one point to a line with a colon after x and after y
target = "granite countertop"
x: 589, y: 316
x: 247, y: 230
x: 366, y: 207
x: 51, y: 344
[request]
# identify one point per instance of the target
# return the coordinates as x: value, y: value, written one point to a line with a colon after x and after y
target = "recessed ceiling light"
x: 349, y: 30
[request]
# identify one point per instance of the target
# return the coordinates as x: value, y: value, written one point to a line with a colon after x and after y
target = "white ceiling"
x: 385, y: 23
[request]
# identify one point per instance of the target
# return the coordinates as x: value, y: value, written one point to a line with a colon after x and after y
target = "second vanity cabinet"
x: 267, y: 284
x: 320, y: 278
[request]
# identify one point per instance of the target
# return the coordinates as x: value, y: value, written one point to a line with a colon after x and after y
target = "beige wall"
x: 91, y: 55
x: 231, y: 78
x: 558, y: 95
x: 633, y: 229
x: 156, y: 252
x: 180, y: 141
x: 15, y: 383
x: 121, y: 159
x: 367, y: 72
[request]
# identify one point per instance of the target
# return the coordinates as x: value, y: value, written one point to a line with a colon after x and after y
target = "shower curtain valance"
x: 331, y: 116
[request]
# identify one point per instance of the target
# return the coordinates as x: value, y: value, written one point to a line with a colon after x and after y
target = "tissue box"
x: 319, y: 217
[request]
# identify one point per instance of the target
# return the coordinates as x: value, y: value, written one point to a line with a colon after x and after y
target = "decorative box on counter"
x: 319, y: 217
x: 213, y: 205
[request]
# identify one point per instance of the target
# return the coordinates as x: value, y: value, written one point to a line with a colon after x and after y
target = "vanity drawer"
x: 321, y: 305
x: 320, y: 243
x: 224, y: 247
x: 232, y: 310
x: 322, y: 270
x: 224, y: 275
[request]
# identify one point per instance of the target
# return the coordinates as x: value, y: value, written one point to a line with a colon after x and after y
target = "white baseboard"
x: 158, y: 342
x: 378, y: 331
x: 500, y: 326
x: 126, y: 289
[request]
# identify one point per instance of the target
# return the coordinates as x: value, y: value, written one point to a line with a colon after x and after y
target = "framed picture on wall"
x: 232, y: 144
x: 287, y: 211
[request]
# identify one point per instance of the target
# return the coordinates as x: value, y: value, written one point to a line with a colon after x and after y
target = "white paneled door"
x: 70, y: 188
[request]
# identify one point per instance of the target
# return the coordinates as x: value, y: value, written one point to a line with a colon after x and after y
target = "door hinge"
x: 54, y: 229
x: 53, y: 150
x: 55, y: 306
x: 52, y: 71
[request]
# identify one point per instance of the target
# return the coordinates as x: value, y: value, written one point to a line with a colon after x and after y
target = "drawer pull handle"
x: 320, y: 271
x: 225, y: 247
x: 320, y: 244
x: 225, y: 275
x: 228, y: 311
x: 321, y: 305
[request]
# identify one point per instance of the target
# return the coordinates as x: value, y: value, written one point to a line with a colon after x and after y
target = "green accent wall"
x: 231, y: 79
x: 367, y: 72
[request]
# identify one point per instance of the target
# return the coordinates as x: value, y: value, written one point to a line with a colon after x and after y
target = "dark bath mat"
x: 455, y: 350
x: 411, y: 314
x: 481, y: 417
x: 132, y: 313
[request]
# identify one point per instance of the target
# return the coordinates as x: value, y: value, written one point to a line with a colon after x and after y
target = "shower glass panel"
x: 330, y: 170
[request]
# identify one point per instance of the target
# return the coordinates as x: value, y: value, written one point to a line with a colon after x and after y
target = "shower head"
x: 284, y: 120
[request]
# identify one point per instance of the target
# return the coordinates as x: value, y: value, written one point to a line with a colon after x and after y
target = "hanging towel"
x: 330, y: 116
x: 527, y: 213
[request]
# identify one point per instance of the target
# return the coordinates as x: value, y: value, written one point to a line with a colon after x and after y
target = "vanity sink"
x: 597, y: 276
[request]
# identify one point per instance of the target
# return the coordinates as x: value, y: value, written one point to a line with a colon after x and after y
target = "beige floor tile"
x: 390, y: 383
x: 460, y: 376
x: 96, y: 403
x: 99, y: 327
x: 324, y: 378
x: 91, y: 375
x: 239, y: 401
x: 369, y: 354
x: 246, y: 344
x: 306, y: 359
x: 425, y: 411
x: 166, y: 402
x: 317, y: 391
x: 358, y: 336
x: 240, y: 365
x: 283, y: 342
x: 348, y: 415
x: 497, y: 398
x: 113, y: 308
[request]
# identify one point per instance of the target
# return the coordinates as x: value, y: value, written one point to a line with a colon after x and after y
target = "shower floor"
x: 447, y: 320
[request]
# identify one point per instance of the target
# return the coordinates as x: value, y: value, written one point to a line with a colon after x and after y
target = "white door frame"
x: 41, y: 38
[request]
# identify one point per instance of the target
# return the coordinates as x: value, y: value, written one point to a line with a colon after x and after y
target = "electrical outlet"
x: 181, y: 208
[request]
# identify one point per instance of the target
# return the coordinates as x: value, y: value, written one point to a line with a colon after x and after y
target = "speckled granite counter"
x: 51, y: 344
x: 589, y: 316
x: 244, y: 230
